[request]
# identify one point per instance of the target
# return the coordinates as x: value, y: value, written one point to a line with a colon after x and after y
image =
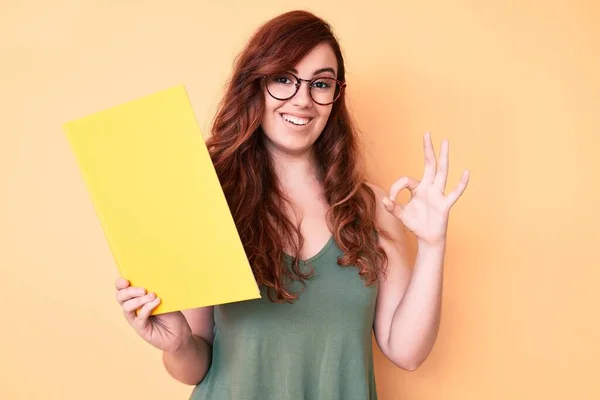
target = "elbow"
x: 407, y: 364
x: 411, y: 366
x: 408, y: 361
x: 407, y: 356
x: 192, y: 376
x: 188, y: 368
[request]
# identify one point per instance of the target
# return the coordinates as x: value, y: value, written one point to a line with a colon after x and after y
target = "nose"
x: 302, y: 98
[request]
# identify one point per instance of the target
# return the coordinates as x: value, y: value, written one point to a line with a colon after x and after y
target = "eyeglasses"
x: 323, y: 90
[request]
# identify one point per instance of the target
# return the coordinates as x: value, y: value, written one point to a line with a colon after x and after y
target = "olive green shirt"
x: 318, y: 348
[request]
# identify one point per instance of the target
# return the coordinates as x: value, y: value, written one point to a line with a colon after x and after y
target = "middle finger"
x: 430, y: 162
x: 129, y: 293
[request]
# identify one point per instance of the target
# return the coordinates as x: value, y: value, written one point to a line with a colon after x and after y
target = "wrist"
x: 431, y: 254
x: 187, y: 342
x: 436, y: 247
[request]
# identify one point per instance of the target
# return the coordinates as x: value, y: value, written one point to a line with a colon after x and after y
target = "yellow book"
x: 160, y: 203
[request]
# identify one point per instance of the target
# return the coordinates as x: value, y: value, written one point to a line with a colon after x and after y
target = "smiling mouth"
x: 298, y: 121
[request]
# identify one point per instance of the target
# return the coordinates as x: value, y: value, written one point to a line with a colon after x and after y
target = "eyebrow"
x: 319, y: 71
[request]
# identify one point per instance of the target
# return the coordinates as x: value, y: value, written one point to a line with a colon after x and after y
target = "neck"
x: 294, y: 170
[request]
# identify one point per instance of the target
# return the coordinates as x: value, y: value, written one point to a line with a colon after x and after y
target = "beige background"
x: 513, y: 85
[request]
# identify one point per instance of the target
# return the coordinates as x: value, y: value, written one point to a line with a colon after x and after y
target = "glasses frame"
x: 310, y: 82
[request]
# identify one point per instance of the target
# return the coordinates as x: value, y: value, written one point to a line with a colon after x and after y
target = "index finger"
x: 403, y: 183
x: 121, y: 283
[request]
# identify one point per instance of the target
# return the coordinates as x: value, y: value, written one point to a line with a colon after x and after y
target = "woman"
x: 326, y: 247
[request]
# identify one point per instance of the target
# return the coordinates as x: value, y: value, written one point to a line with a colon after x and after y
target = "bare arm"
x: 190, y: 363
x: 408, y: 305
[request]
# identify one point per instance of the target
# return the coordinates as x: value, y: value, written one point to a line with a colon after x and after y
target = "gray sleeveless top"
x: 318, y: 348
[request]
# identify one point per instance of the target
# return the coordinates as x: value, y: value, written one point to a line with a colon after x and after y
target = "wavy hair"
x: 246, y: 172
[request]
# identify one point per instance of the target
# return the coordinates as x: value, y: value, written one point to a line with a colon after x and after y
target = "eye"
x: 282, y: 79
x: 322, y: 84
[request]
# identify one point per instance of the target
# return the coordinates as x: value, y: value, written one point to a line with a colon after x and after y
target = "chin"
x: 288, y: 145
x: 284, y: 137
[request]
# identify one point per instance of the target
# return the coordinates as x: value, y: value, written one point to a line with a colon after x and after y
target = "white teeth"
x: 295, y: 120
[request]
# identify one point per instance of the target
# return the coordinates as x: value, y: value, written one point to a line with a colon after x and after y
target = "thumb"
x: 392, y: 207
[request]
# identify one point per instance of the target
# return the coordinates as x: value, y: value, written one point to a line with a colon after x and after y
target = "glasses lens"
x: 325, y: 90
x: 281, y: 86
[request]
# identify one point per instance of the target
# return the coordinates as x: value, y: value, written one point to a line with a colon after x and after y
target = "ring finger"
x: 129, y: 293
x: 135, y: 303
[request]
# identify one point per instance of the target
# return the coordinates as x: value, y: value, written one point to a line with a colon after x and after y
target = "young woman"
x: 327, y: 248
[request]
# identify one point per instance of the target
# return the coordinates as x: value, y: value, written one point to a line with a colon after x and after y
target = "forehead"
x: 322, y: 56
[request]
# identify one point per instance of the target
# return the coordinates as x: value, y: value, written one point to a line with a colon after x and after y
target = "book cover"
x: 160, y: 203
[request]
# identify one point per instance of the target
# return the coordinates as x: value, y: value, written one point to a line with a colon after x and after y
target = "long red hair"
x: 246, y: 172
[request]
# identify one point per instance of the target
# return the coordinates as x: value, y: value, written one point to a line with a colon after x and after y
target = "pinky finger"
x: 458, y: 191
x: 144, y: 312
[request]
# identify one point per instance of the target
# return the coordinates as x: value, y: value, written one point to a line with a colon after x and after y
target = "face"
x: 292, y: 126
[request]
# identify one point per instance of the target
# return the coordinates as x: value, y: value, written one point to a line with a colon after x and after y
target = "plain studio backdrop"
x: 513, y: 85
